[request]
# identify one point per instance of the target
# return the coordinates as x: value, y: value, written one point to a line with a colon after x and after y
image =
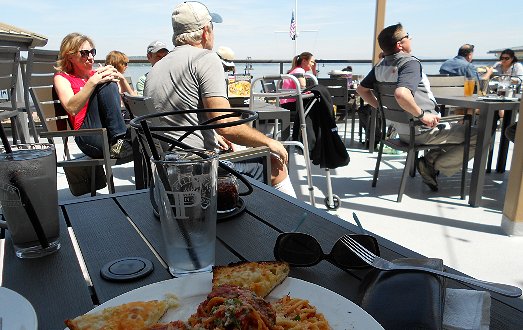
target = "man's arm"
x: 406, y: 100
x: 366, y: 94
x: 243, y: 134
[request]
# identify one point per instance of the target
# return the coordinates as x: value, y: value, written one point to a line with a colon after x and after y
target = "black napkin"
x: 405, y: 299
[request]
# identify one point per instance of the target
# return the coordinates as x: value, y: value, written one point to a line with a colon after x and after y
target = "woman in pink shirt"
x: 300, y: 64
x: 90, y: 97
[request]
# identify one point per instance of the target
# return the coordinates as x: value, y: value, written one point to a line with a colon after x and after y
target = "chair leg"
x: 412, y: 171
x: 408, y: 163
x: 490, y: 153
x: 93, y: 180
x: 377, y: 168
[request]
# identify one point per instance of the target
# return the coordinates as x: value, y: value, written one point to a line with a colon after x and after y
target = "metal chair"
x: 140, y: 106
x: 390, y: 110
x: 446, y: 86
x: 39, y: 71
x: 56, y: 124
x: 340, y: 96
x: 9, y: 65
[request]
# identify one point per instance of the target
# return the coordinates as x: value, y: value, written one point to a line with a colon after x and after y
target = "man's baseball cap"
x: 156, y: 46
x: 190, y: 16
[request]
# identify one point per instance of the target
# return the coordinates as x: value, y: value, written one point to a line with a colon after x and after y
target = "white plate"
x: 16, y: 312
x: 192, y: 290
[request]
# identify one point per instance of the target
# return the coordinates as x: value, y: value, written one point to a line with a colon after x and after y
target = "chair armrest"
x: 250, y: 153
x: 452, y: 118
x: 80, y: 132
x: 245, y: 154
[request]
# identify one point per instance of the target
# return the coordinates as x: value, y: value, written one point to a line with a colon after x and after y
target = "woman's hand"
x: 104, y: 74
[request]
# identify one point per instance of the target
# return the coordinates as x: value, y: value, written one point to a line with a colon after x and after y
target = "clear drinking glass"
x: 29, y: 198
x: 186, y: 183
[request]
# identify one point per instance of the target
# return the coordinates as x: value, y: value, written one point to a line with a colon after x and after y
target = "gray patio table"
x: 484, y: 124
x: 123, y: 225
x: 268, y: 112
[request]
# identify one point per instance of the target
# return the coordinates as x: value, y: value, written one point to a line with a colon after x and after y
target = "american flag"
x: 292, y: 29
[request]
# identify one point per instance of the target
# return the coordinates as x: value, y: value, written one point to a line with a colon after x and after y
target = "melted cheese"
x: 260, y: 277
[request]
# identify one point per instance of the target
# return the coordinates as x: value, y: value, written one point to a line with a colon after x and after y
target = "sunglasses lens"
x: 345, y: 258
x: 298, y: 249
x: 93, y: 51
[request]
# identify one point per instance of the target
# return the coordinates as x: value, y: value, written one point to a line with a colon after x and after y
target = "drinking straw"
x: 355, y: 217
x: 31, y: 213
x: 165, y: 182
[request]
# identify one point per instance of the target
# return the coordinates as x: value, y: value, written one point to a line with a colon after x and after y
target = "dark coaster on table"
x: 126, y: 269
x: 240, y: 207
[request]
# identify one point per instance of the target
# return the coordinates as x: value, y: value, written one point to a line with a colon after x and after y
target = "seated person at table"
x: 90, y: 98
x: 120, y: 61
x: 414, y: 95
x: 155, y: 52
x: 301, y: 63
x: 227, y: 56
x: 191, y: 77
x: 508, y: 65
x: 461, y: 65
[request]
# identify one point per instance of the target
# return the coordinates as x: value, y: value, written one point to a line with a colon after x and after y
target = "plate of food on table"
x: 244, y: 295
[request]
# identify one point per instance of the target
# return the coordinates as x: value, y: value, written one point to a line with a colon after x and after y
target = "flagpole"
x: 296, y: 20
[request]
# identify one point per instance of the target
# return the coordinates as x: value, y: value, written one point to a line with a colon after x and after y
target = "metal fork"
x: 380, y: 263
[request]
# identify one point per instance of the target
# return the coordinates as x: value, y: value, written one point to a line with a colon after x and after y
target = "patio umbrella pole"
x: 165, y: 182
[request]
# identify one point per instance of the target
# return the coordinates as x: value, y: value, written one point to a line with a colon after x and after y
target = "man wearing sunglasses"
x: 414, y: 96
x: 191, y: 77
x: 461, y: 65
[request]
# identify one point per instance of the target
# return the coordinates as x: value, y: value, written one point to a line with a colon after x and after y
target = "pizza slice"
x: 130, y: 316
x: 261, y: 277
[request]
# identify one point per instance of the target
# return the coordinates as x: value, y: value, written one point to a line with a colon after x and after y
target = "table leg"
x: 285, y: 127
x: 508, y: 118
x: 477, y: 179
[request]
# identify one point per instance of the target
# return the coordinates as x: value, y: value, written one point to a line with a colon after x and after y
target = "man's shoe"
x: 428, y: 174
x: 121, y: 149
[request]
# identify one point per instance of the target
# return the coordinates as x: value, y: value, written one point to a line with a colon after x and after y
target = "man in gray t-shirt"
x: 414, y: 96
x: 191, y: 77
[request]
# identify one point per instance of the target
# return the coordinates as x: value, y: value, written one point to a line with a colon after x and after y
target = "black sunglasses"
x: 404, y: 37
x: 504, y: 58
x: 303, y: 250
x: 86, y: 52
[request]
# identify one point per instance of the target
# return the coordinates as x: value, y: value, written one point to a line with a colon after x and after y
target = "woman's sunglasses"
x: 86, y: 52
x: 504, y: 58
x: 302, y: 250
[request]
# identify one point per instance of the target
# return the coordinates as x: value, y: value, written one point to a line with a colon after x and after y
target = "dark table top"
x: 117, y: 226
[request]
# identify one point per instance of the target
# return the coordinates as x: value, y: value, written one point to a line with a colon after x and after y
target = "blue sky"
x: 344, y: 28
